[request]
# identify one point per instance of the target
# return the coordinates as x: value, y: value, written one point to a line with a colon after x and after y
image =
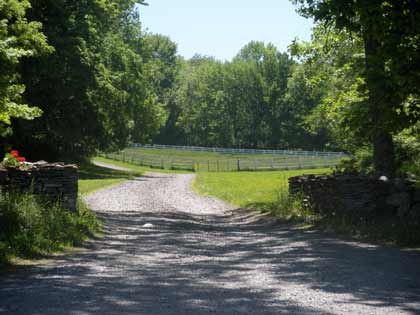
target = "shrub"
x: 29, y: 226
x: 292, y: 208
x: 361, y: 162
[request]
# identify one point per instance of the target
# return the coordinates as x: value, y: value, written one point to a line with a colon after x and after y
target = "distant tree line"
x: 254, y: 101
x: 81, y: 76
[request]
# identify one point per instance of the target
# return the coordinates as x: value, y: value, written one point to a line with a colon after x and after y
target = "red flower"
x: 15, y: 153
x: 20, y: 159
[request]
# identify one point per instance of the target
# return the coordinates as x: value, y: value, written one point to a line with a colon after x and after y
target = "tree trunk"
x: 379, y: 102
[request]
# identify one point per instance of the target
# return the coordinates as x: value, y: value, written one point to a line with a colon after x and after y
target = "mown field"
x: 219, y: 162
x: 248, y: 189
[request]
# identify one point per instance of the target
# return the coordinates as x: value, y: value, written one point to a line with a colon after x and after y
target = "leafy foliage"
x: 248, y: 102
x: 29, y: 227
x: 391, y: 46
x: 19, y: 38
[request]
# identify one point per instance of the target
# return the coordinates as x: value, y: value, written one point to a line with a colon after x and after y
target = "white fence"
x: 240, y: 151
x: 226, y: 165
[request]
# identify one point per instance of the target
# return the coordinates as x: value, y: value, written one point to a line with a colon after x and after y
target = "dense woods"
x: 82, y: 76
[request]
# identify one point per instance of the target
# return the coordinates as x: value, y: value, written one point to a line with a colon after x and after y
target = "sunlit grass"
x: 248, y: 189
x: 138, y: 168
x: 93, y: 177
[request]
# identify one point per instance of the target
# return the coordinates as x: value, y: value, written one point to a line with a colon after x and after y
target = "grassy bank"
x: 30, y: 227
x: 268, y: 192
x: 137, y: 168
x: 257, y: 190
x: 93, y: 177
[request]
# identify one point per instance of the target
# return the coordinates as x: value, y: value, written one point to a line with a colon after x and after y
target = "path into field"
x: 195, y: 258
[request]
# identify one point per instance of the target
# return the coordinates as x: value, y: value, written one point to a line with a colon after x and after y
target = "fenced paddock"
x: 238, y: 151
x: 170, y: 157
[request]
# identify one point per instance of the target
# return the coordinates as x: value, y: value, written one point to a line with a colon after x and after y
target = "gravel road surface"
x: 168, y: 251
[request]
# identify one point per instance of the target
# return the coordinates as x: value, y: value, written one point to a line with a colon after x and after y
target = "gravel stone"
x: 167, y: 250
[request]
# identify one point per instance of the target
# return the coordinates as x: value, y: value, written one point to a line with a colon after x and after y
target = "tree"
x: 391, y: 45
x: 92, y: 89
x: 327, y: 87
x: 19, y: 39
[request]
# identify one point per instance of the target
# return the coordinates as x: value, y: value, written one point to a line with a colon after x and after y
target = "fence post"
x: 193, y: 166
x: 208, y: 165
x: 162, y: 165
x: 272, y: 164
x: 218, y: 165
x: 239, y: 165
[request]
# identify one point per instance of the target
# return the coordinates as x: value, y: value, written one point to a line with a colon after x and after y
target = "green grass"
x: 138, y: 168
x: 197, y: 155
x: 203, y: 155
x: 219, y: 162
x: 257, y: 190
x: 92, y: 177
x: 31, y: 227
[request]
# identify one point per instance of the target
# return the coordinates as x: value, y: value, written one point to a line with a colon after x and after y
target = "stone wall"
x: 55, y: 182
x: 358, y: 195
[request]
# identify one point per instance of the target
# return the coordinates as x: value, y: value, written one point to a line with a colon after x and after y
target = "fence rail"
x: 225, y: 165
x: 239, y: 151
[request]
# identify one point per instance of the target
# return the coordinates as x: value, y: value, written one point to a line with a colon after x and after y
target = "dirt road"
x: 168, y: 251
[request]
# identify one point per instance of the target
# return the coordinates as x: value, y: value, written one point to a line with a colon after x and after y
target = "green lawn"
x: 92, y: 177
x: 215, y: 162
x: 196, y: 155
x: 248, y: 189
x: 138, y: 168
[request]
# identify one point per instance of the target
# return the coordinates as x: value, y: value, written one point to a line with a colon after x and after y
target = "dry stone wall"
x: 54, y: 182
x: 358, y: 195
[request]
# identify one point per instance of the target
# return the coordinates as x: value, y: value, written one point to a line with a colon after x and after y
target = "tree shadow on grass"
x: 91, y: 171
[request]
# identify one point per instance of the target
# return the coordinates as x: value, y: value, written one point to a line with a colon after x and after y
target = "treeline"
x: 81, y: 76
x: 354, y: 87
x: 78, y: 76
x: 251, y: 102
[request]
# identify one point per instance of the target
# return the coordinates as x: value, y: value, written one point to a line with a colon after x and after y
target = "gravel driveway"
x: 168, y: 251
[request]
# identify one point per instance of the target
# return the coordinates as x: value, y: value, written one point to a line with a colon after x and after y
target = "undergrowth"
x: 385, y: 228
x: 30, y: 227
x: 291, y: 208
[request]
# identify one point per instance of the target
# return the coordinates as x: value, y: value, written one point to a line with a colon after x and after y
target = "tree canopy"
x: 391, y: 42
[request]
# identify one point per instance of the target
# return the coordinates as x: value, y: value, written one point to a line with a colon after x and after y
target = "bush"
x: 29, y: 226
x: 292, y: 208
x: 360, y: 163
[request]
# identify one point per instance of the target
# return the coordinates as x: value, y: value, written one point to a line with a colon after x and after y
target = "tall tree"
x: 390, y: 33
x: 92, y: 86
x: 19, y: 38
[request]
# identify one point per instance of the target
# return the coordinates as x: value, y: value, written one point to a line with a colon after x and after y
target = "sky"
x: 220, y: 28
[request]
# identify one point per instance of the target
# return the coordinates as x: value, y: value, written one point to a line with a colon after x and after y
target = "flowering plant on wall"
x: 13, y: 159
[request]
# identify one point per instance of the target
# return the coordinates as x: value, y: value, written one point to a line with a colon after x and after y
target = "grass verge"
x: 268, y: 192
x: 257, y: 190
x: 30, y: 227
x: 93, y: 177
x: 137, y: 168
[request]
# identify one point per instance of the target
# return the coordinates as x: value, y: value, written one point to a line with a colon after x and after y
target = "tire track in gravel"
x: 198, y: 255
